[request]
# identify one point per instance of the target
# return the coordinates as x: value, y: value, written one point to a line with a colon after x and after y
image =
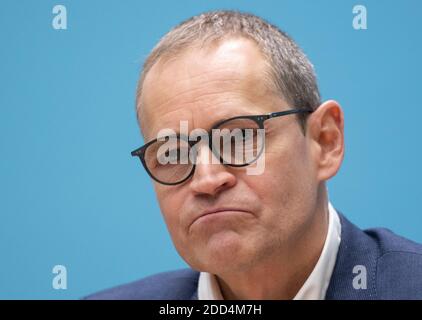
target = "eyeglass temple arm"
x: 284, y: 113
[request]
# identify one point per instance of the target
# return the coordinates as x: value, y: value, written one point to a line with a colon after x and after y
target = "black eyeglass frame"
x: 258, y: 119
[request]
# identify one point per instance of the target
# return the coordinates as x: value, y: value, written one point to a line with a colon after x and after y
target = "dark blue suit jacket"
x: 393, y: 271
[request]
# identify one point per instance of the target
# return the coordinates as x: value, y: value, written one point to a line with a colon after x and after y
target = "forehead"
x: 203, y: 86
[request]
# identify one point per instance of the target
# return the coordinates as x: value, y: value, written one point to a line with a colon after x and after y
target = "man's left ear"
x: 325, y: 128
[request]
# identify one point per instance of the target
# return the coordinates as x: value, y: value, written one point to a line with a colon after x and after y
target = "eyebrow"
x: 214, y: 123
x: 245, y: 114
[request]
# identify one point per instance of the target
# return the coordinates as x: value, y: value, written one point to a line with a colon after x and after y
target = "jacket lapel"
x: 354, y: 274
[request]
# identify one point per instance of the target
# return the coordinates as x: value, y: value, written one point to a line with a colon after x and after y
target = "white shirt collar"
x: 317, y: 283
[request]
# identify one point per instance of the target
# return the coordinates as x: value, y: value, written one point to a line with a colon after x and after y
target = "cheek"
x: 173, y: 208
x: 288, y: 164
x: 170, y: 203
x: 284, y: 172
x: 286, y: 186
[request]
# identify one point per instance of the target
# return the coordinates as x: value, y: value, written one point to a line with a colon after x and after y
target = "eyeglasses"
x: 235, y: 142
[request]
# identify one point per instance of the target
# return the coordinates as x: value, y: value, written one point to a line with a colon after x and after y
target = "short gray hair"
x: 291, y: 73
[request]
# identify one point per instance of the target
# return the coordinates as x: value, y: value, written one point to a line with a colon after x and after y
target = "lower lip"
x: 219, y: 214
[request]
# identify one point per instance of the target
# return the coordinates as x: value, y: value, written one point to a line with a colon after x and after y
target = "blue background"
x: 71, y: 194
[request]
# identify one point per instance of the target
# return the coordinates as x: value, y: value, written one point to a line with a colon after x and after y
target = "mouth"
x: 219, y: 212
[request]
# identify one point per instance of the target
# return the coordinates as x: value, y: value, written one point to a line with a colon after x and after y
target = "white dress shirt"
x: 314, y: 287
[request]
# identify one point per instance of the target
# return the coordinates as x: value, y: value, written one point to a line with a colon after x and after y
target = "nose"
x: 210, y: 177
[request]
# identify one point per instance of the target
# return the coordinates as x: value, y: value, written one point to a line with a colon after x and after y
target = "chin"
x: 222, y: 252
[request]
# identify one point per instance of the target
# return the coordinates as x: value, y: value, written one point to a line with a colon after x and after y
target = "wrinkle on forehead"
x: 202, y: 82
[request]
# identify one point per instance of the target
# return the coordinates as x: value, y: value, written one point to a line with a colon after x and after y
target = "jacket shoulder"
x: 388, y: 241
x: 399, y: 266
x: 172, y: 285
x: 390, y: 266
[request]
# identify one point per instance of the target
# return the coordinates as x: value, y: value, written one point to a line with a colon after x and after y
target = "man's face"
x: 262, y: 214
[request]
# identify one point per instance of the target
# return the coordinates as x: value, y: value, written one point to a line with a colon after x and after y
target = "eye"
x: 248, y: 133
x: 173, y: 156
x: 168, y: 155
